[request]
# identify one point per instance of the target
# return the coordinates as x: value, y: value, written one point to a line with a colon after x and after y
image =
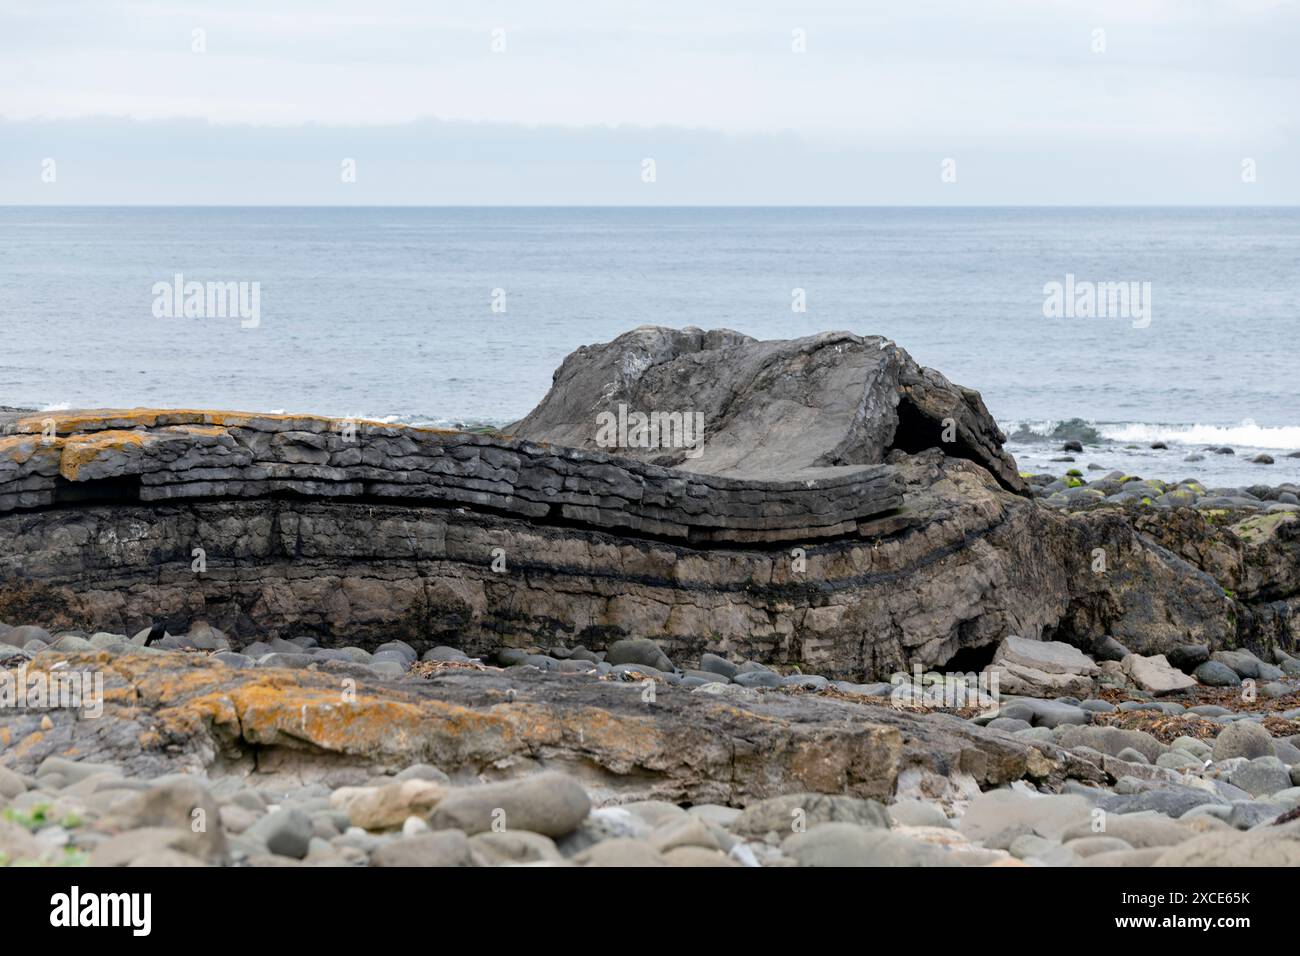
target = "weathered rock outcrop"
x: 790, y: 408
x: 851, y: 538
x: 151, y: 455
x: 166, y: 712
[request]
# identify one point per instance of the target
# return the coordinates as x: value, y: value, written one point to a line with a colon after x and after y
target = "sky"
x: 934, y: 102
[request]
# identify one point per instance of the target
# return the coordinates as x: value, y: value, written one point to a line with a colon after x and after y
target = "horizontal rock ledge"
x: 149, y: 455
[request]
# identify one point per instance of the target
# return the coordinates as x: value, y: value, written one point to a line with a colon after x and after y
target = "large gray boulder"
x: 1155, y: 674
x: 786, y: 408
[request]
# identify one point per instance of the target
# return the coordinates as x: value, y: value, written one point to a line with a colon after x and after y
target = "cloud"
x: 1012, y: 89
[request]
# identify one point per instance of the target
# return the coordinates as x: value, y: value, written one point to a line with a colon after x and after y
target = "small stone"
x: 1155, y: 674
x: 1247, y: 814
x: 1171, y: 801
x: 758, y: 679
x: 422, y: 771
x: 387, y: 807
x: 548, y: 803
x: 1216, y: 674
x: 639, y: 650
x: 621, y: 852
x: 918, y: 813
x: 1091, y: 845
x: 1194, y: 747
x: 439, y: 848
x: 781, y: 815
x: 996, y: 811
x: 443, y: 653
x: 11, y: 784
x: 1244, y: 663
x: 1186, y: 657
x: 805, y: 681
x: 1262, y: 776
x: 1108, y: 649
x: 687, y: 831
x: 179, y: 803
x: 285, y: 832
x: 718, y: 665
x: 1095, y: 706
x: 1008, y: 725
x: 24, y: 634
x: 133, y: 846
x: 1132, y: 756
x: 1031, y: 845
x: 514, y: 846
x: 1242, y: 738
x: 696, y: 856
x: 1176, y: 760
x: 1138, y: 830
x: 846, y: 844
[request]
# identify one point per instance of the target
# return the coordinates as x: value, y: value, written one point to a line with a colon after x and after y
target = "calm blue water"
x: 387, y: 312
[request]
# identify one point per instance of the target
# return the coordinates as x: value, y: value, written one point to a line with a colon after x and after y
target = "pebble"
x: 284, y: 832
x: 1262, y: 776
x: 638, y: 650
x: 1242, y: 739
x: 718, y: 665
x: 781, y: 815
x: 551, y: 804
x: 845, y: 844
x: 436, y: 849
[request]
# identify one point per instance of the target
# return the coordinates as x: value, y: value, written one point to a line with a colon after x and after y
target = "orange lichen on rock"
x: 80, y: 450
x: 21, y: 449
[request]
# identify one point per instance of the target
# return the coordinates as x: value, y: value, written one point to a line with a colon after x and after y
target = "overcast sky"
x: 1036, y: 101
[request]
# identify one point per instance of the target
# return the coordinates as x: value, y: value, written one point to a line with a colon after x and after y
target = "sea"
x: 459, y: 315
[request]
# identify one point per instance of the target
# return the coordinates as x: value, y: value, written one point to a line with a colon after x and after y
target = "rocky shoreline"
x: 295, y: 755
x: 846, y: 630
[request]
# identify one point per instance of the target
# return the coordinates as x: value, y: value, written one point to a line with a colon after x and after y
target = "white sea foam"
x: 1246, y: 434
x: 1285, y: 437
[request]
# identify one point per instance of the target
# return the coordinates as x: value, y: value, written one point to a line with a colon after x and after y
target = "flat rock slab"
x: 1050, y: 657
x: 170, y: 711
x: 155, y: 455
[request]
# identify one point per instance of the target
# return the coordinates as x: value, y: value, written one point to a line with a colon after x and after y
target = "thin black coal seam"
x: 769, y: 591
x: 547, y: 521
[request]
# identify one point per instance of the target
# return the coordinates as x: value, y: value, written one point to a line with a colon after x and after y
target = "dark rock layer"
x: 853, y: 540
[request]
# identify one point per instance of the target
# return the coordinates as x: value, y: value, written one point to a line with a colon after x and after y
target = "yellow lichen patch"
x: 81, y: 450
x: 328, y: 720
x: 27, y: 744
x: 628, y: 740
x: 106, y: 419
x: 1258, y: 529
x: 21, y: 448
x: 69, y: 423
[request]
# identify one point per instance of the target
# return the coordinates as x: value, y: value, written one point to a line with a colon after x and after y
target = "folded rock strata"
x: 150, y: 455
x: 853, y: 541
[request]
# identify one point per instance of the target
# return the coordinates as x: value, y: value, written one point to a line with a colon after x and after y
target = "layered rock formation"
x: 796, y: 407
x: 850, y: 512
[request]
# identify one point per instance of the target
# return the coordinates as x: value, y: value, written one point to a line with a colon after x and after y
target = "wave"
x: 1247, y: 433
